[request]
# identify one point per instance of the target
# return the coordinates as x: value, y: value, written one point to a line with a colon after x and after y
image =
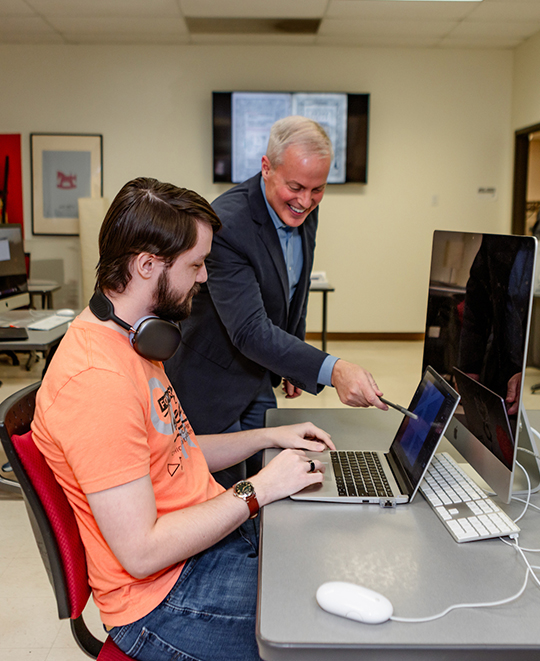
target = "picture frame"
x: 64, y: 167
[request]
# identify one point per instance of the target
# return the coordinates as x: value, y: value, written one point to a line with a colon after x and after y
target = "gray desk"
x: 37, y: 340
x: 404, y: 553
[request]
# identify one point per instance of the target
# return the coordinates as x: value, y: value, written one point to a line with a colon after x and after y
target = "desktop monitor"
x: 478, y: 316
x: 13, y: 279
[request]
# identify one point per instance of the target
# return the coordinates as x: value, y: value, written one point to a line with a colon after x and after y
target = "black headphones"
x: 151, y: 337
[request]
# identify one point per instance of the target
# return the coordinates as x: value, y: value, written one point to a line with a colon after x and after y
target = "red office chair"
x: 53, y: 522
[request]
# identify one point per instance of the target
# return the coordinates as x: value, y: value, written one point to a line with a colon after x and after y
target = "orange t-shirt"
x: 105, y: 417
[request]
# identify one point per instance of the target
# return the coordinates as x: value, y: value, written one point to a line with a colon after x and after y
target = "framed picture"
x: 65, y: 167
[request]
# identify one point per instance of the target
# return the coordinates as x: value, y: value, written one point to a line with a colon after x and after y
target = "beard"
x: 166, y: 303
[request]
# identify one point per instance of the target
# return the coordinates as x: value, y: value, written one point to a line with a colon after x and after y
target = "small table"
x: 46, y: 289
x: 323, y: 287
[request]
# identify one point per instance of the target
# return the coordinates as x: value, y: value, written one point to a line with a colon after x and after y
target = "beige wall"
x: 526, y: 90
x: 440, y: 129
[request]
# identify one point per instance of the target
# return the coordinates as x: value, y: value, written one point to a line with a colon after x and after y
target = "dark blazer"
x: 242, y: 324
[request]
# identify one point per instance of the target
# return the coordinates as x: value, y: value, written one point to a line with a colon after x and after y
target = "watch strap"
x: 249, y: 499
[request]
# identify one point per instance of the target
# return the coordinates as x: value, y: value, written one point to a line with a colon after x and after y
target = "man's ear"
x: 266, y: 166
x: 145, y: 265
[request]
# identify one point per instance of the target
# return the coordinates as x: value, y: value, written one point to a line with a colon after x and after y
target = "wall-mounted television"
x: 242, y: 121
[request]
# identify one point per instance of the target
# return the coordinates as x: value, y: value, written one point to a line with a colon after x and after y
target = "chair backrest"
x: 53, y: 521
x: 51, y: 516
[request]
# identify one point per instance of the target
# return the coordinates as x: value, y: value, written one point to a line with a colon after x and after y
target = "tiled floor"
x: 29, y: 626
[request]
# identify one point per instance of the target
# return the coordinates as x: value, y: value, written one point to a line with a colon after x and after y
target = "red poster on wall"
x: 10, y: 159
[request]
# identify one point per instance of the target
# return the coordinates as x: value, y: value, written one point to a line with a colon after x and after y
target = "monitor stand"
x: 527, y: 449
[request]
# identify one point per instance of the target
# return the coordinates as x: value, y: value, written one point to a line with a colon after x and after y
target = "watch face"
x: 244, y: 488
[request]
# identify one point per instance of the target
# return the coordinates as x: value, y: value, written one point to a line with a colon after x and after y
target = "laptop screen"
x: 434, y: 402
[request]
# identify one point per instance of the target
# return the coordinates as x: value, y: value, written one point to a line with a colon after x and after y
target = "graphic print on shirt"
x: 168, y: 418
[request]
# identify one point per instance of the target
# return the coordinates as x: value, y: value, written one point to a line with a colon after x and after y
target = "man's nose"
x: 305, y: 198
x: 202, y: 275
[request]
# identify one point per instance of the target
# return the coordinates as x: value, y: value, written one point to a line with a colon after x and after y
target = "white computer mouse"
x: 354, y: 602
x: 65, y: 312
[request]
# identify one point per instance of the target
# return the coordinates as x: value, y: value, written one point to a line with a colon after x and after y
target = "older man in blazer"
x: 247, y: 327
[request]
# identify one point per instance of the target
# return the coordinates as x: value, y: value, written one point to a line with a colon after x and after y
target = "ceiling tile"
x: 506, y: 11
x: 383, y: 41
x: 31, y: 30
x: 14, y: 8
x: 487, y: 24
x: 388, y: 28
x: 386, y: 10
x: 100, y: 8
x: 126, y: 38
x: 141, y: 26
x: 507, y: 29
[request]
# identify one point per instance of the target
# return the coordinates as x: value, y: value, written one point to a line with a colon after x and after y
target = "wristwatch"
x: 246, y: 491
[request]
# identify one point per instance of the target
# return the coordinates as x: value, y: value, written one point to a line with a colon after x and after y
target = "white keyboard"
x: 48, y: 323
x: 464, y: 509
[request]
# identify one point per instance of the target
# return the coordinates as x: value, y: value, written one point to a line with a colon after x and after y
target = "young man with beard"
x: 172, y: 555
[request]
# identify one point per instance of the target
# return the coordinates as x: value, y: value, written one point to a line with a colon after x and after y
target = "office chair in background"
x: 53, y: 522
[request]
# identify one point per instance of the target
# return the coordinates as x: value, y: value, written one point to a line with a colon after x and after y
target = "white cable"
x: 529, y: 566
x: 536, y: 433
x: 518, y: 594
x: 520, y: 547
x: 530, y: 451
x: 528, y: 493
x: 520, y: 500
x: 479, y: 605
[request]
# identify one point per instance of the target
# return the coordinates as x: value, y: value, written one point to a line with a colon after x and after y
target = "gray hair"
x: 301, y: 132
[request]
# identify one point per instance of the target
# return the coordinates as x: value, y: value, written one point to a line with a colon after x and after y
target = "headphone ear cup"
x: 156, y: 339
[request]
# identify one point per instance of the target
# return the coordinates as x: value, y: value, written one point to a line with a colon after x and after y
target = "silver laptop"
x: 393, y: 477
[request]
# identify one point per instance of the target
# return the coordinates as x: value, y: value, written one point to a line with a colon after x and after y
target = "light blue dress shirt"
x: 291, y: 244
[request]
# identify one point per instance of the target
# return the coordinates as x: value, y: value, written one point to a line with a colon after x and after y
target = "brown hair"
x: 148, y: 216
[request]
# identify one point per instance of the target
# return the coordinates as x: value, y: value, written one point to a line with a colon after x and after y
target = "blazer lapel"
x: 307, y: 232
x: 268, y: 234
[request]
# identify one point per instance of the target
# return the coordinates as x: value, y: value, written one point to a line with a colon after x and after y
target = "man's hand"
x: 304, y: 436
x: 286, y: 474
x: 512, y: 393
x: 291, y: 392
x: 355, y: 386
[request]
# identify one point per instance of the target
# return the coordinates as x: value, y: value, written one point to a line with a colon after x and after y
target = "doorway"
x: 526, y: 197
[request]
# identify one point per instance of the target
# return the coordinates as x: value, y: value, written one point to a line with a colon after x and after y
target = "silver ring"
x: 311, y: 467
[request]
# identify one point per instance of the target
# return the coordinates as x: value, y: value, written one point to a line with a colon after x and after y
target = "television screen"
x: 242, y: 121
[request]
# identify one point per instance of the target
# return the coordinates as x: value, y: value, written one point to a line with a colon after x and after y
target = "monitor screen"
x: 13, y: 279
x: 478, y: 316
x: 242, y: 121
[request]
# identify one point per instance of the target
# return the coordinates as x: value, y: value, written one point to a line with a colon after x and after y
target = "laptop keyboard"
x: 359, y: 474
x: 464, y: 509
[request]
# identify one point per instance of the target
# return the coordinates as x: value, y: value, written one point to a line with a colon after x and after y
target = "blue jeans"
x: 251, y: 418
x: 209, y: 615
